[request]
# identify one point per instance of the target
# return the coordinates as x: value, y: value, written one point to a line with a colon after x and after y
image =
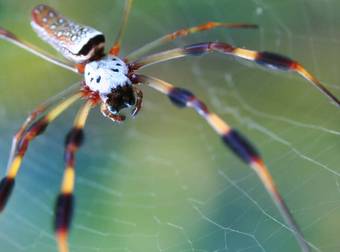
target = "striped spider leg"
x: 266, y: 59
x: 35, y: 124
x: 111, y: 82
x: 81, y: 45
x: 10, y: 37
x: 64, y: 203
x: 182, y: 33
x: 115, y: 49
x: 234, y: 140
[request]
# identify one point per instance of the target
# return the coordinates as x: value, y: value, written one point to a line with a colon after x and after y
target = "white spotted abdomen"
x: 106, y: 74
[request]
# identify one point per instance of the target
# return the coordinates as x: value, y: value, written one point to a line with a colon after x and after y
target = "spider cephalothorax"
x: 109, y: 78
x: 112, y: 83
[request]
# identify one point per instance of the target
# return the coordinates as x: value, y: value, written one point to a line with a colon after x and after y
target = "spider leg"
x: 236, y: 142
x: 38, y: 112
x: 22, y: 139
x: 182, y: 33
x: 10, y: 37
x: 139, y: 100
x: 266, y: 59
x: 65, y: 200
x: 115, y: 49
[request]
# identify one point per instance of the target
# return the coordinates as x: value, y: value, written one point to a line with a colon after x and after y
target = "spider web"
x: 164, y: 182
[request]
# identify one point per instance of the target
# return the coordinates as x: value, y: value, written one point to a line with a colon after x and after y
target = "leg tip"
x: 6, y: 187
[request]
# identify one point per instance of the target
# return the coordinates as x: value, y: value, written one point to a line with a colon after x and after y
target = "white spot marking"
x: 111, y: 73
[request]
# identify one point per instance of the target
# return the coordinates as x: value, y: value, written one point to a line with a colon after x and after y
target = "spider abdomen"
x: 74, y: 41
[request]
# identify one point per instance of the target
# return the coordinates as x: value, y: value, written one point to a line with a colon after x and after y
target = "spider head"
x: 120, y: 98
x: 109, y: 77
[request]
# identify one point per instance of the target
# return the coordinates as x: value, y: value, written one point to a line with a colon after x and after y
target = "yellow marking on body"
x: 218, y: 124
x: 68, y: 180
x: 159, y: 57
x: 304, y: 73
x: 206, y: 26
x: 61, y: 107
x: 183, y: 32
x: 157, y: 84
x: 245, y: 54
x: 69, y: 173
x: 80, y: 120
x: 61, y: 238
x: 13, y: 169
x: 262, y: 171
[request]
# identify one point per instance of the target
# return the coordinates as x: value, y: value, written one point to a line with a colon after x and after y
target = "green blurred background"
x: 164, y: 181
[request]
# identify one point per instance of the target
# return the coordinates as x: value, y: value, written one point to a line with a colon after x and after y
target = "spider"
x: 112, y: 82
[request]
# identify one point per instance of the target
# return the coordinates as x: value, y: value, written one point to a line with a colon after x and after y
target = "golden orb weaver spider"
x: 112, y: 82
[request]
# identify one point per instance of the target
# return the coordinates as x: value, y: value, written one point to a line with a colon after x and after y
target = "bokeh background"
x: 163, y: 181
